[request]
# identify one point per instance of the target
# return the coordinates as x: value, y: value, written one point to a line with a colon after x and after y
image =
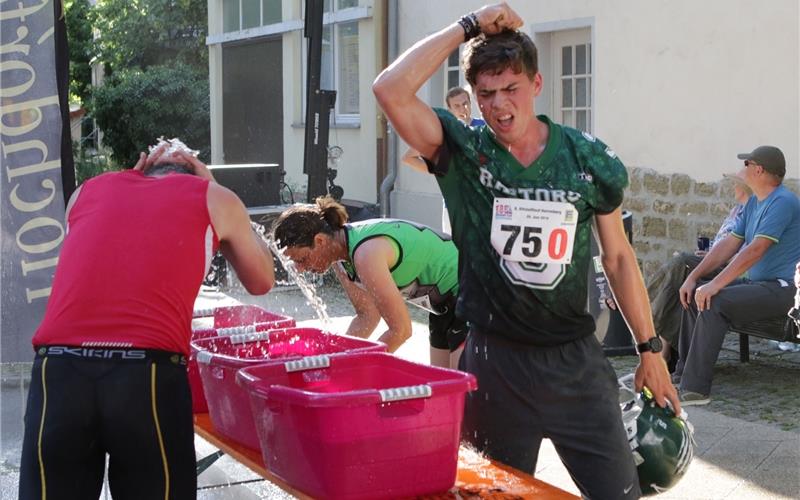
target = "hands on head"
x: 160, y: 156
x: 493, y: 19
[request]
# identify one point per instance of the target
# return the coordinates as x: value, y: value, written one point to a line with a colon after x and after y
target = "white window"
x: 240, y: 15
x: 572, y: 62
x: 339, y: 68
x: 452, y: 71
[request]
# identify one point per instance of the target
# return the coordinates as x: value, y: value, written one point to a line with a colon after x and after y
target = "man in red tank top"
x: 109, y: 376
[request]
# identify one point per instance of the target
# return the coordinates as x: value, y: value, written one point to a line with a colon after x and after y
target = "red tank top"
x: 136, y: 251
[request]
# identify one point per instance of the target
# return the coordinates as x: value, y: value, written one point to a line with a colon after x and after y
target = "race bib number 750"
x: 534, y: 231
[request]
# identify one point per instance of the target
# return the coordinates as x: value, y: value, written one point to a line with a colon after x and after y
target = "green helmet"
x: 662, y: 444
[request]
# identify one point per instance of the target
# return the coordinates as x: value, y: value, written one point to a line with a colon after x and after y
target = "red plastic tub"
x: 360, y: 425
x: 231, y: 320
x: 227, y: 320
x: 220, y: 358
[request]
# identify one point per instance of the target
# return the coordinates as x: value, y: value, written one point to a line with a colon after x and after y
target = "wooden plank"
x: 477, y: 477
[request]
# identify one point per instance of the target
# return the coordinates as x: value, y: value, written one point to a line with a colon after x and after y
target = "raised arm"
x: 396, y: 87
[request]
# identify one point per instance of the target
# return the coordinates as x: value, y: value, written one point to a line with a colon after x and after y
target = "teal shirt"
x: 776, y: 218
x: 540, y: 304
x: 426, y: 271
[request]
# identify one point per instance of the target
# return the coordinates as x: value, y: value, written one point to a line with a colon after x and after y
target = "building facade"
x: 676, y: 88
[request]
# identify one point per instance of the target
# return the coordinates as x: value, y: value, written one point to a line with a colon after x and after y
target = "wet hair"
x: 297, y: 226
x: 167, y: 168
x: 454, y: 92
x: 495, y: 53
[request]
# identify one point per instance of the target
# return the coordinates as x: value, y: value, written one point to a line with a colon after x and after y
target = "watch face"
x: 656, y: 344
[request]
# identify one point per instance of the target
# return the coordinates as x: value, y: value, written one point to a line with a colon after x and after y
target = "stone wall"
x: 671, y: 210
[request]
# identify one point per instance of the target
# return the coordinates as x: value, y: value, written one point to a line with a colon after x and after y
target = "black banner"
x: 32, y: 142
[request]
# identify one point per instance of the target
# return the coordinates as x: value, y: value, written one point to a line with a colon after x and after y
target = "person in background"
x: 667, y: 280
x: 458, y: 102
x: 380, y: 263
x: 109, y: 375
x: 523, y: 194
x: 764, y: 245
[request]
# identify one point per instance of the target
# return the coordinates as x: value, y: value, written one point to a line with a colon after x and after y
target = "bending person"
x: 380, y: 263
x: 109, y: 376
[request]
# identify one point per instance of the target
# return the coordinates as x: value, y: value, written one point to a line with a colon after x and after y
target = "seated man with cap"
x: 764, y: 247
x: 664, y: 284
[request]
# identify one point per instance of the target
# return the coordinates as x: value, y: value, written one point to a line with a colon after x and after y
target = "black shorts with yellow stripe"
x: 85, y: 403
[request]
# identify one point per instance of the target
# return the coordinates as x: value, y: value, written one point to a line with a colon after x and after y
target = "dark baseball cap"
x: 769, y: 157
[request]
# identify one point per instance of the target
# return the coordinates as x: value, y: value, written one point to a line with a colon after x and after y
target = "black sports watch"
x: 653, y: 344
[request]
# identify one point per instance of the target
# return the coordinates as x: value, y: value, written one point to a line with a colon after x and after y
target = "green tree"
x: 143, y: 33
x: 79, y: 38
x: 134, y: 107
x: 155, y: 55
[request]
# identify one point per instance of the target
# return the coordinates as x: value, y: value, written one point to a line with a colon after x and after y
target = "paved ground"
x: 748, y: 438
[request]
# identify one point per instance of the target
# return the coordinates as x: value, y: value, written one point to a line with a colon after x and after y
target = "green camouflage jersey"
x: 426, y: 271
x: 540, y: 304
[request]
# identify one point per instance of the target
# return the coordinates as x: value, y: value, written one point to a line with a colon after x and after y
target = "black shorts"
x: 446, y: 330
x: 567, y: 393
x: 133, y: 404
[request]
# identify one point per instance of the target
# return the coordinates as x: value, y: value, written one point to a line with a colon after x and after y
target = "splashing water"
x: 307, y: 289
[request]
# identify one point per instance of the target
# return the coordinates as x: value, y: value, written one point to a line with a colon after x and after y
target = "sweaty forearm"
x: 394, y: 338
x: 631, y: 296
x: 362, y: 326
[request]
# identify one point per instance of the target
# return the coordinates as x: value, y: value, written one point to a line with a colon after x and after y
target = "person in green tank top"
x: 380, y: 263
x: 523, y: 194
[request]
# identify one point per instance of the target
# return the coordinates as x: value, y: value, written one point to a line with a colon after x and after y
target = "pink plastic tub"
x: 227, y: 320
x: 220, y: 358
x: 360, y: 425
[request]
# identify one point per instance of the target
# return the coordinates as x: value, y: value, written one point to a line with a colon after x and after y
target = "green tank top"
x: 426, y: 271
x: 540, y: 304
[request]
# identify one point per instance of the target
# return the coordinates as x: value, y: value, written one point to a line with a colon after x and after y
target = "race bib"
x: 534, y: 231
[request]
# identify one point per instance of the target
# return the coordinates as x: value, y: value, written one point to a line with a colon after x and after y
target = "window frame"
x: 572, y: 79
x: 334, y: 19
x: 449, y: 69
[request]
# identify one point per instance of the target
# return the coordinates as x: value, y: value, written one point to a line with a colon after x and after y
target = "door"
x: 252, y: 102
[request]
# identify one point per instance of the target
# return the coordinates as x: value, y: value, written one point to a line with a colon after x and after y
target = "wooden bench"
x: 782, y: 329
x: 477, y: 477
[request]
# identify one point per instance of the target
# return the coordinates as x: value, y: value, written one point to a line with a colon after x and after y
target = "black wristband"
x: 470, y: 25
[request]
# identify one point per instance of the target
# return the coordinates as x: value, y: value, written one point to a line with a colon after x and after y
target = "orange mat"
x: 477, y: 477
